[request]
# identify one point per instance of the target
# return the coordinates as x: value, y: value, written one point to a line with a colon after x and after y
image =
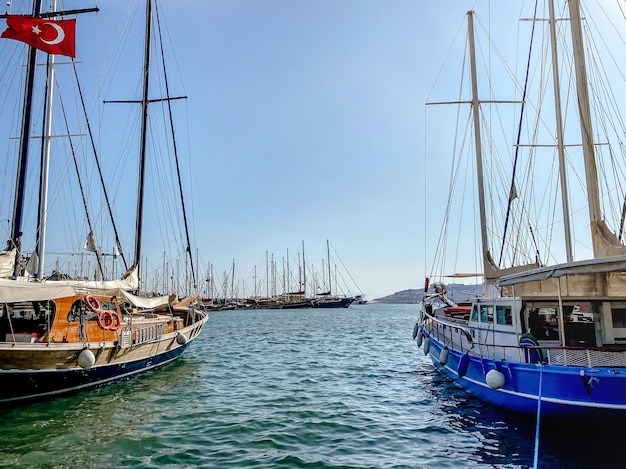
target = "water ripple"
x: 286, y: 388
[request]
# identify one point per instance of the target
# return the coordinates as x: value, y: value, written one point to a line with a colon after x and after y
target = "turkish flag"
x: 51, y: 36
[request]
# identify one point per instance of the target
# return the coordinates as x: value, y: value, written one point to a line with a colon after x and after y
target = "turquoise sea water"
x: 293, y: 389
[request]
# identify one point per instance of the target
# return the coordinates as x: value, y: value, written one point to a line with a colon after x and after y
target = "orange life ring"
x: 104, y: 319
x: 116, y: 321
x: 92, y: 303
x: 109, y: 320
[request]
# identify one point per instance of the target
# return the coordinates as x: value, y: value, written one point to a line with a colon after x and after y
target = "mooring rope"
x: 536, y: 459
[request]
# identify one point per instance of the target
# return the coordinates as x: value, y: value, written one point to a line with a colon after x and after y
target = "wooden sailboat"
x: 545, y: 337
x: 61, y: 336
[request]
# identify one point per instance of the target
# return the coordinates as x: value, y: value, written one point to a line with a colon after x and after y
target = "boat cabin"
x: 25, y: 321
x: 587, y: 324
x: 76, y: 319
x: 505, y: 317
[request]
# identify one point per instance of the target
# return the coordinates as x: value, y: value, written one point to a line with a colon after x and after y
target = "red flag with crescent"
x: 51, y: 36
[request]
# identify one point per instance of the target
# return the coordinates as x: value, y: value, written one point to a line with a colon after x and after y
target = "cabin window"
x: 25, y: 321
x: 474, y: 314
x: 578, y: 313
x: 504, y: 316
x: 79, y: 307
x: 619, y: 317
x: 543, y: 322
x: 107, y: 306
x: 579, y: 326
x: 486, y: 313
x: 27, y: 310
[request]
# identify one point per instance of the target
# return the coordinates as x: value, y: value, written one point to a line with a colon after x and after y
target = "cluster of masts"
x: 280, y: 281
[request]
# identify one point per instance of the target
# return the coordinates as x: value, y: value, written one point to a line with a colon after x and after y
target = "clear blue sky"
x: 310, y: 114
x: 309, y: 127
x: 306, y: 124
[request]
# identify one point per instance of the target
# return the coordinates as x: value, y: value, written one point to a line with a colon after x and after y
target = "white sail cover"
x: 120, y: 288
x: 7, y: 261
x: 128, y: 282
x: 32, y: 265
x: 22, y: 290
x: 147, y: 302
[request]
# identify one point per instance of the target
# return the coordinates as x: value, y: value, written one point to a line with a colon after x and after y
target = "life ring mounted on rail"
x: 92, y: 303
x: 532, y: 352
x: 109, y: 320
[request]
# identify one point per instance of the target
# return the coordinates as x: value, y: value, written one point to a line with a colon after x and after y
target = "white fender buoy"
x: 495, y: 379
x: 181, y: 339
x: 86, y: 359
x: 416, y: 330
x: 420, y: 339
x: 426, y: 345
x: 443, y: 356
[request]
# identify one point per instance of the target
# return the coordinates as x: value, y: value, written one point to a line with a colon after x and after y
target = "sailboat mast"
x: 303, y: 286
x: 330, y: 288
x: 45, y: 165
x: 144, y: 133
x: 478, y: 145
x: 22, y: 164
x: 560, y: 139
x: 232, y: 283
x: 591, y: 172
x: 267, y: 274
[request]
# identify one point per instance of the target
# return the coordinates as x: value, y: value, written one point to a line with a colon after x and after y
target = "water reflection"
x: 502, y: 438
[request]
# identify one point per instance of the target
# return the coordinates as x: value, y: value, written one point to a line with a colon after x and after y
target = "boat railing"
x: 450, y: 332
x: 575, y: 356
x: 459, y: 338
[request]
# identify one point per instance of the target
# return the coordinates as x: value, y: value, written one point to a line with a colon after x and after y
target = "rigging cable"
x: 97, y: 159
x: 80, y: 182
x: 180, y: 184
x: 512, y: 192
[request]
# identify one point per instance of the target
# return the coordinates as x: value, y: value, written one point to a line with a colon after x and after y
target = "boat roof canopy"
x: 591, y: 266
x: 17, y: 290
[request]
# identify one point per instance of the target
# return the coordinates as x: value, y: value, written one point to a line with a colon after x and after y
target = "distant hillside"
x: 402, y: 297
x: 456, y: 292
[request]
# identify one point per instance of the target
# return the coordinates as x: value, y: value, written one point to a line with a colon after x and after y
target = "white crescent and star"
x: 57, y: 28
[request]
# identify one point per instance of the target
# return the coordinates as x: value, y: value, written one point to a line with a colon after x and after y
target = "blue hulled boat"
x: 545, y: 334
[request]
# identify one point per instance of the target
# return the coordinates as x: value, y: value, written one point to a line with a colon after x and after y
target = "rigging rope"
x: 538, y: 423
x: 98, y: 166
x: 517, y: 146
x: 80, y: 182
x: 180, y: 184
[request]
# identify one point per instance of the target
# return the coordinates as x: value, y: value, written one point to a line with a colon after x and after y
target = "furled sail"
x: 7, y: 261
